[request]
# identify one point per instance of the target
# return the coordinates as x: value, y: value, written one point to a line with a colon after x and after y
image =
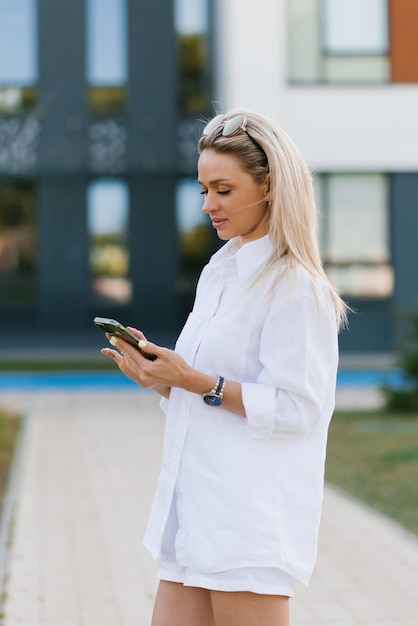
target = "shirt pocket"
x: 224, y: 349
x: 190, y: 335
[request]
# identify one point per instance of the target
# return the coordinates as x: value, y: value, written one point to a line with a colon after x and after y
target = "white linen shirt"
x: 249, y: 490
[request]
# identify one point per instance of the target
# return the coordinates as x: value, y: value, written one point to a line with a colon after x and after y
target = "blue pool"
x: 112, y: 380
x: 64, y: 380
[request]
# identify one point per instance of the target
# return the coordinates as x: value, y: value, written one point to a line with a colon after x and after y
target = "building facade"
x: 341, y: 76
x: 99, y: 115
x: 101, y: 104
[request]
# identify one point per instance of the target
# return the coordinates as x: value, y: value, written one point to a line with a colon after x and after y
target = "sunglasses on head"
x: 229, y: 126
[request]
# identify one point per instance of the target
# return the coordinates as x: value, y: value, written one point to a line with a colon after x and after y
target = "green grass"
x: 9, y: 430
x: 374, y: 457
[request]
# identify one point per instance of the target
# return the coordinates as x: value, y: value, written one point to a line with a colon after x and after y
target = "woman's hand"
x: 167, y: 370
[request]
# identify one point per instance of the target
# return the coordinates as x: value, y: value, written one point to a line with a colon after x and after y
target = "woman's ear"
x: 266, y: 182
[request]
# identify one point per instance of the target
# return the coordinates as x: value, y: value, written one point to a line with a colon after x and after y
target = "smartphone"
x: 113, y: 327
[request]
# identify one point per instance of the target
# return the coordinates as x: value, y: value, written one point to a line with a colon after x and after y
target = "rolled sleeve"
x: 164, y: 405
x: 260, y: 407
x: 298, y: 354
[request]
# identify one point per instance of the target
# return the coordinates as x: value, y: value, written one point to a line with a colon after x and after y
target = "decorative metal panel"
x: 188, y: 133
x: 19, y: 140
x: 107, y: 146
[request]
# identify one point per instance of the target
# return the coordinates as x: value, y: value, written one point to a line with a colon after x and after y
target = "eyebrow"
x: 216, y: 181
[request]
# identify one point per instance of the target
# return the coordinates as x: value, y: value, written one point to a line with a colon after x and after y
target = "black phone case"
x: 113, y: 327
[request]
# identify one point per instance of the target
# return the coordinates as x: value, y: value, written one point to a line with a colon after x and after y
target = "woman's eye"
x: 204, y: 192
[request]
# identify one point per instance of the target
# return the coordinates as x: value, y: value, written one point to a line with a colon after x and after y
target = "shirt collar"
x: 248, y: 258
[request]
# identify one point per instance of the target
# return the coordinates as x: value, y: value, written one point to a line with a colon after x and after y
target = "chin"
x: 224, y: 236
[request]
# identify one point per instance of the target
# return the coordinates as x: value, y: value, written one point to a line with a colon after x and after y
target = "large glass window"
x: 345, y: 33
x: 338, y: 41
x: 107, y: 220
x: 196, y: 237
x: 354, y: 233
x: 107, y: 66
x: 18, y: 242
x: 191, y: 24
x: 18, y: 54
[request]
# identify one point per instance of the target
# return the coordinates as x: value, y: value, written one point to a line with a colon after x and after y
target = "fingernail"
x: 113, y: 341
x: 142, y: 343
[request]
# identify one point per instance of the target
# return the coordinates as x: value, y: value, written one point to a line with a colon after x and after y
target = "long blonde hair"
x: 266, y: 148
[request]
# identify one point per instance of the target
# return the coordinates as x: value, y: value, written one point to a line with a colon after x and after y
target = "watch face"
x: 212, y: 400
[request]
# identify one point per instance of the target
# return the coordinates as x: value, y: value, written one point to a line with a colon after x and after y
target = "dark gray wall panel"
x: 153, y: 252
x: 152, y: 95
x: 61, y: 85
x: 63, y: 280
x: 370, y: 327
x: 405, y: 239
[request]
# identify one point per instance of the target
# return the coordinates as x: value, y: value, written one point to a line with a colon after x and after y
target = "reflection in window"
x: 197, y: 240
x: 355, y: 233
x: 14, y: 99
x: 107, y: 66
x: 191, y: 24
x: 338, y: 41
x: 107, y: 218
x: 345, y: 33
x: 104, y: 99
x: 18, y: 243
x: 18, y: 58
x: 18, y: 42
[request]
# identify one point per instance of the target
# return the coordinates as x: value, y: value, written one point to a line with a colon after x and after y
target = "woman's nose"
x: 209, y: 203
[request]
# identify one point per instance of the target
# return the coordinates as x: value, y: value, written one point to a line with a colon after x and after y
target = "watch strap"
x: 219, y: 386
x: 217, y: 391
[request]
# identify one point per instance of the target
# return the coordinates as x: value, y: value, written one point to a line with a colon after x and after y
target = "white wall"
x: 336, y: 128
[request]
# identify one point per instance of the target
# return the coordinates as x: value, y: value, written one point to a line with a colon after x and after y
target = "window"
x: 107, y: 220
x: 191, y: 24
x: 354, y: 233
x: 107, y: 66
x: 345, y: 33
x: 338, y: 41
x: 18, y: 58
x: 18, y: 243
x: 197, y: 239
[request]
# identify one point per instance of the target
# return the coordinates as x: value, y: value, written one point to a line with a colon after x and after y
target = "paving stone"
x: 88, y: 469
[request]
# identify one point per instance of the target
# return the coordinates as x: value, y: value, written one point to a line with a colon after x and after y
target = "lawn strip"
x: 9, y: 429
x: 374, y: 457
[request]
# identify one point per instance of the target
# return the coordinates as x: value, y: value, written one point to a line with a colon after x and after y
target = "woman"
x: 248, y: 392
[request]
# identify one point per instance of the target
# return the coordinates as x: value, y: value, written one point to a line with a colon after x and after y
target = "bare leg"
x: 176, y: 605
x: 249, y: 609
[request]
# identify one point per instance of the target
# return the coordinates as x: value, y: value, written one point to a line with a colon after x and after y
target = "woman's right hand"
x: 133, y: 364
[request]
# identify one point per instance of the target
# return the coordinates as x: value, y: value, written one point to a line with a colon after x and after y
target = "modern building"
x: 99, y: 114
x: 341, y: 76
x: 101, y: 104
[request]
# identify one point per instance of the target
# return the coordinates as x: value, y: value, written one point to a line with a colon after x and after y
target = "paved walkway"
x: 87, y: 471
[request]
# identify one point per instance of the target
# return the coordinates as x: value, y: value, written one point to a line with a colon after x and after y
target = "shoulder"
x: 296, y: 284
x: 305, y: 282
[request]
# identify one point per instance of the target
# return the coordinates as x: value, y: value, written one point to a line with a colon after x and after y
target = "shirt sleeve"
x: 298, y: 356
x: 164, y: 404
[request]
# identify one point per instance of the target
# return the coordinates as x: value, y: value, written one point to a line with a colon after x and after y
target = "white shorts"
x: 263, y: 580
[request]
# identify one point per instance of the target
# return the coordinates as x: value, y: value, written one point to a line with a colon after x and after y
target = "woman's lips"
x: 217, y: 223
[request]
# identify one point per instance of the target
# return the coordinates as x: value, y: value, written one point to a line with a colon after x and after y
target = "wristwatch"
x: 215, y: 396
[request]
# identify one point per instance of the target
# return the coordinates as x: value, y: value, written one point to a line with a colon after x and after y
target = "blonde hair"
x: 293, y: 225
